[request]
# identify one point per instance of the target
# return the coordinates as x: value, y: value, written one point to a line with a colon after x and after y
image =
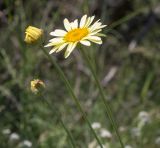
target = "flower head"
x: 85, y: 32
x: 37, y: 85
x: 32, y: 34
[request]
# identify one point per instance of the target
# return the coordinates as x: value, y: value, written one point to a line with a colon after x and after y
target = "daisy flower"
x: 83, y: 32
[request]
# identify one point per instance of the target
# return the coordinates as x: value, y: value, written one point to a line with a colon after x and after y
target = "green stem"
x: 107, y: 107
x: 60, y: 120
x: 70, y: 90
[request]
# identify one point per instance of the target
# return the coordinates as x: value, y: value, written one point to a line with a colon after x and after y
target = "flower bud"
x: 37, y: 86
x: 32, y: 34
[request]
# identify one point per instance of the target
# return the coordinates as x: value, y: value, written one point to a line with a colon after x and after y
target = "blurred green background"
x: 127, y: 64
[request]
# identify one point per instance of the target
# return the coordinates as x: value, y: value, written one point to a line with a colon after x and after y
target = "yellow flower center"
x: 76, y: 34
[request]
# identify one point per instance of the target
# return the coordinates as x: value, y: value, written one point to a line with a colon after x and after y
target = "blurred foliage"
x: 127, y: 64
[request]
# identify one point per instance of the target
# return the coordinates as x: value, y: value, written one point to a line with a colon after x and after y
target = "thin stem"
x: 58, y: 114
x: 73, y: 96
x: 107, y: 107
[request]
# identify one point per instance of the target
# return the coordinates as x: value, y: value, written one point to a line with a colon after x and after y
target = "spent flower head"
x: 32, y: 34
x: 128, y: 146
x: 14, y: 136
x: 37, y: 85
x: 96, y: 125
x: 27, y: 143
x: 157, y: 141
x: 105, y: 134
x: 83, y: 32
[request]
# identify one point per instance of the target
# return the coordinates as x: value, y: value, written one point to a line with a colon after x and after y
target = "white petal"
x: 62, y: 47
x: 95, y: 26
x: 83, y: 21
x: 48, y: 45
x: 85, y: 42
x: 74, y: 24
x: 53, y: 49
x: 67, y: 24
x: 54, y: 43
x: 69, y: 49
x: 95, y: 32
x: 92, y: 18
x: 58, y: 32
x: 97, y: 23
x: 56, y: 40
x: 100, y: 35
x: 89, y: 21
x: 96, y: 38
x: 102, y: 26
x: 97, y: 42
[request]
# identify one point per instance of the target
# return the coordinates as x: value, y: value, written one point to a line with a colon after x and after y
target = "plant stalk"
x: 70, y: 90
x: 60, y: 120
x: 107, y: 107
